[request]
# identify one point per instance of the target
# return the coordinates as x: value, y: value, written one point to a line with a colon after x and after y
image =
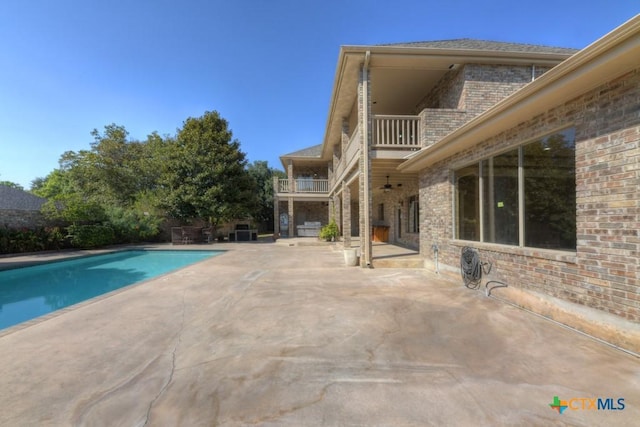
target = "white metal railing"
x: 304, y: 185
x: 396, y: 131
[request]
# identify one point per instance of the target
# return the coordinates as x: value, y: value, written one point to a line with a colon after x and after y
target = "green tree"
x: 53, y: 185
x: 11, y: 184
x: 206, y: 173
x: 109, y: 187
x: 263, y: 176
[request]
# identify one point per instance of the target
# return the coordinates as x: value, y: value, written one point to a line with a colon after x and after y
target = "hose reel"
x: 472, y: 268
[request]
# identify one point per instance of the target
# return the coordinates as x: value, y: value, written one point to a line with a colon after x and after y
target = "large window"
x: 467, y: 202
x: 413, y: 217
x: 500, y: 198
x: 525, y: 197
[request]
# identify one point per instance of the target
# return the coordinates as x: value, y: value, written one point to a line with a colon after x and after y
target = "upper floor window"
x: 525, y: 196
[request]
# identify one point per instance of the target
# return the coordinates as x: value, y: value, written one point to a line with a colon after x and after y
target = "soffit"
x: 613, y: 55
x: 402, y: 76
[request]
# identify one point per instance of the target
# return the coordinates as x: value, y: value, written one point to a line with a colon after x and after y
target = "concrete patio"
x: 271, y: 334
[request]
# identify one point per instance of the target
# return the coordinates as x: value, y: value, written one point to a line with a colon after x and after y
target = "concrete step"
x: 413, y: 262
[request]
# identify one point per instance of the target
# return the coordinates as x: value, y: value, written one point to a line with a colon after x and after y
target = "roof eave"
x: 456, y: 55
x: 609, y: 57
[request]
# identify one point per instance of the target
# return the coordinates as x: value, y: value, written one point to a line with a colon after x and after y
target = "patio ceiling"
x: 381, y: 168
x: 401, y: 76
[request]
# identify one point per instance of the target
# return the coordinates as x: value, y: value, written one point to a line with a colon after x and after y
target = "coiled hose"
x: 471, y: 268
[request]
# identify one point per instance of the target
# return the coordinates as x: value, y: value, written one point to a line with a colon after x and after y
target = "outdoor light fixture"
x: 387, y: 187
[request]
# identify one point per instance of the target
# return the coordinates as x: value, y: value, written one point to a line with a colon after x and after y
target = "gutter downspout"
x: 366, y: 172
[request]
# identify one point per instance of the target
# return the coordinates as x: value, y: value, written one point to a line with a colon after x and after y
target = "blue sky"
x: 70, y: 66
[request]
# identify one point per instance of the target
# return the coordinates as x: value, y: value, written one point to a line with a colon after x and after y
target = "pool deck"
x: 271, y: 334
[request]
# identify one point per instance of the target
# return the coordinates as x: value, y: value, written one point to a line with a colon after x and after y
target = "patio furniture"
x: 186, y: 235
x: 243, y: 233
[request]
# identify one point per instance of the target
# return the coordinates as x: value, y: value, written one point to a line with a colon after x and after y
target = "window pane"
x: 500, y: 198
x: 550, y: 192
x: 467, y: 203
x: 413, y: 214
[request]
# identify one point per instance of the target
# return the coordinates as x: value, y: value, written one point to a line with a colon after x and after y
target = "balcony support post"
x: 276, y: 208
x: 346, y: 215
x: 292, y: 221
x: 366, y: 247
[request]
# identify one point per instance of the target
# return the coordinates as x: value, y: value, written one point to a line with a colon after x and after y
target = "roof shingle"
x: 14, y: 198
x: 485, y: 45
x: 313, y: 151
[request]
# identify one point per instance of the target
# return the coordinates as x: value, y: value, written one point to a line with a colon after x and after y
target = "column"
x: 364, y: 164
x: 276, y: 209
x: 291, y: 218
x: 346, y: 215
x: 292, y: 189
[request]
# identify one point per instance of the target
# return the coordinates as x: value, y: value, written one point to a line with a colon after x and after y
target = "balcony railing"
x: 303, y: 185
x: 397, y: 132
x: 350, y: 151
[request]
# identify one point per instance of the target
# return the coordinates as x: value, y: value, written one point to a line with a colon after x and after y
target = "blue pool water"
x: 26, y: 293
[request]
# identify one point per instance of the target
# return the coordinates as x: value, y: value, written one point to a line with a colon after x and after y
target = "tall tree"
x: 206, y: 173
x: 263, y: 175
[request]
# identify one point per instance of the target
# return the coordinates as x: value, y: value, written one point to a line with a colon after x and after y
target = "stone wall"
x: 603, y: 272
x: 16, y: 218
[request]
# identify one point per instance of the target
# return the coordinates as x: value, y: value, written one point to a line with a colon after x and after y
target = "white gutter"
x: 367, y: 178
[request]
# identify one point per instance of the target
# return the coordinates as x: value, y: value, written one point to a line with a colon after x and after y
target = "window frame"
x: 480, y: 163
x: 413, y: 214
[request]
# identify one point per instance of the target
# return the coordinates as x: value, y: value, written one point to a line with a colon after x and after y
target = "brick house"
x: 528, y: 154
x: 411, y: 96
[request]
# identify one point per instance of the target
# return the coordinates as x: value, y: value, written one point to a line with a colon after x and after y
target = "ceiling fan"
x: 388, y: 187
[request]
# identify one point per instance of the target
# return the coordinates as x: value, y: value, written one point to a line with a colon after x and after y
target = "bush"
x: 330, y: 231
x: 131, y: 226
x: 91, y: 236
x: 30, y: 240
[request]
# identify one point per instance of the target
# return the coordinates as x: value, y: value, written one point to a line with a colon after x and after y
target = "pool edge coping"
x: 32, y: 322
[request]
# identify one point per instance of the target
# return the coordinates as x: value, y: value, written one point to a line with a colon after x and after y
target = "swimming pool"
x: 30, y: 292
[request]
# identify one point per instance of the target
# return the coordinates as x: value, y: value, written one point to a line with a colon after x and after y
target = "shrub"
x: 131, y: 226
x: 330, y: 231
x: 91, y: 236
x: 30, y: 240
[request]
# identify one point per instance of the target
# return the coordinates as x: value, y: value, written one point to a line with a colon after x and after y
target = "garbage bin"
x: 350, y: 257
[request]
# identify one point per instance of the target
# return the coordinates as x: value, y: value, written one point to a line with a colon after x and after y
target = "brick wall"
x: 486, y: 85
x: 475, y: 87
x: 437, y: 123
x: 447, y: 93
x: 603, y: 272
x: 394, y: 201
x: 466, y: 92
x: 310, y: 211
x: 365, y: 159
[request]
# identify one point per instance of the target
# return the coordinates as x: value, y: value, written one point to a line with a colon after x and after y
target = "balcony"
x: 396, y: 132
x: 303, y: 185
